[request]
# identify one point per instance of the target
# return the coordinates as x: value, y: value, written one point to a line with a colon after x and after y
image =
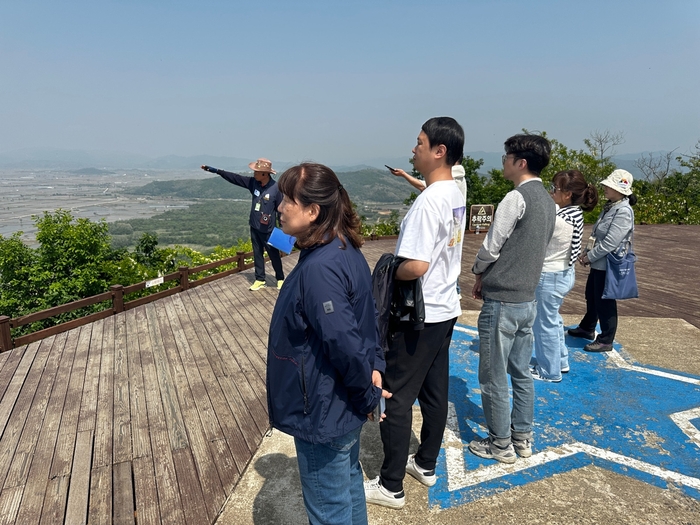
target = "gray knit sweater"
x: 513, y: 277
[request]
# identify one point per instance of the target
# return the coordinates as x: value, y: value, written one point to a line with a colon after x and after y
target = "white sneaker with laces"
x: 426, y: 477
x: 376, y: 493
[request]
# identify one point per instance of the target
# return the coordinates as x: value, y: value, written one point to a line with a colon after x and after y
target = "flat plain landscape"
x: 25, y: 193
x: 114, y: 195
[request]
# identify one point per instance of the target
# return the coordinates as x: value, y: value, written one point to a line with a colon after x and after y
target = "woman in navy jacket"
x: 324, y: 362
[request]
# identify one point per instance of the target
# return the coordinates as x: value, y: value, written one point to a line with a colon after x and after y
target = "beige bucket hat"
x: 620, y: 181
x: 263, y: 165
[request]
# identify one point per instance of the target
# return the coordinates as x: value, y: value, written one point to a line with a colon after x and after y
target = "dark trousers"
x: 259, y: 240
x: 417, y: 367
x: 599, y: 309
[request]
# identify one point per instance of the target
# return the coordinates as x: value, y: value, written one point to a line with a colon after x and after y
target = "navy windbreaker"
x: 323, y: 346
x: 267, y: 198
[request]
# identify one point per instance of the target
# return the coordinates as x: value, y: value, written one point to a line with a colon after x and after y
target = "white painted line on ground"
x: 458, y: 478
x: 466, y: 330
x: 500, y: 469
x: 642, y: 466
x: 682, y: 419
x: 454, y: 450
x: 617, y: 359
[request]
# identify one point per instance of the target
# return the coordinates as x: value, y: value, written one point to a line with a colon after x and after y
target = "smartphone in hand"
x: 379, y: 410
x: 390, y: 168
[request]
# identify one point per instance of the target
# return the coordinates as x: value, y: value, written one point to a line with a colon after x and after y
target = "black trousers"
x: 259, y: 240
x: 599, y: 309
x: 417, y: 367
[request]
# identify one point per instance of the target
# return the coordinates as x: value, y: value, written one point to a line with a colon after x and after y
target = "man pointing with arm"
x: 263, y: 215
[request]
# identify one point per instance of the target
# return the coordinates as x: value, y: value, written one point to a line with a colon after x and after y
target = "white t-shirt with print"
x: 432, y: 231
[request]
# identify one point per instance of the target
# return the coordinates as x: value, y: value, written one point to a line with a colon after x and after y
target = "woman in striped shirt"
x: 571, y: 194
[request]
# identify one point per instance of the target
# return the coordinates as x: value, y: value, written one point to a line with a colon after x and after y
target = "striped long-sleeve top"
x: 565, y: 245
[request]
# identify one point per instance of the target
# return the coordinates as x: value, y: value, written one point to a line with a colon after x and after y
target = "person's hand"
x: 399, y: 172
x: 583, y: 259
x: 476, y: 290
x: 206, y: 168
x: 386, y: 395
x: 377, y: 378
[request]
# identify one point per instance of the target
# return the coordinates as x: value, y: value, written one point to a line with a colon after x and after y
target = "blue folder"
x: 280, y: 240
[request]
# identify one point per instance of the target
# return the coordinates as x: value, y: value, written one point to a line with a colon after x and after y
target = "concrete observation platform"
x: 617, y: 441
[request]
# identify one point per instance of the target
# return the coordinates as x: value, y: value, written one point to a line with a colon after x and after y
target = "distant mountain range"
x: 96, y: 162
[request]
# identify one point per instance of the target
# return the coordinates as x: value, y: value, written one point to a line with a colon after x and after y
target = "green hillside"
x: 363, y: 186
x: 204, y: 225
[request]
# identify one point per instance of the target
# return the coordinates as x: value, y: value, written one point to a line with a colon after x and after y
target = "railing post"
x: 117, y: 298
x: 184, y: 278
x: 241, y: 261
x: 5, y: 336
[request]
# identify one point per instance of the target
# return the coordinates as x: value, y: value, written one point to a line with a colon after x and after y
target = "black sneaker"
x: 597, y: 346
x: 577, y: 332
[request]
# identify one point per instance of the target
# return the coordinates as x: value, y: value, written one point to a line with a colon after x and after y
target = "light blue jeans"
x: 505, y: 347
x: 331, y: 480
x: 550, y: 349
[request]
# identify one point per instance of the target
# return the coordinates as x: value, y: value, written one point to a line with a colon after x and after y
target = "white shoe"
x: 426, y: 477
x: 375, y: 493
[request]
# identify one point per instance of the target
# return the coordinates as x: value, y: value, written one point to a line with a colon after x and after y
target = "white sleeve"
x: 418, y: 235
x: 509, y: 212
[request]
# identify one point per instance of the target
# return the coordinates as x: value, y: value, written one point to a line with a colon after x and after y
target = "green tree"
x: 669, y: 195
x: 18, y: 284
x: 71, y: 256
x: 593, y: 167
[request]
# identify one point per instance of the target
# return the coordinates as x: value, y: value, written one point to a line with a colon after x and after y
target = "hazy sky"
x: 342, y: 81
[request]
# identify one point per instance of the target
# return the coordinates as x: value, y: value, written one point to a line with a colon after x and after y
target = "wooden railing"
x: 116, y: 296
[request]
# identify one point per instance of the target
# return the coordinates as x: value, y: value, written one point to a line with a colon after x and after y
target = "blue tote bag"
x: 620, y: 276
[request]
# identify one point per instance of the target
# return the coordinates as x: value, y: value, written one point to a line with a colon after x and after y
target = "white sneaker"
x: 426, y: 477
x: 537, y: 376
x: 375, y: 493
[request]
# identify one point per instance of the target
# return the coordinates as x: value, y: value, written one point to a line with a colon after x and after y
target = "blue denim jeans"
x: 331, y: 480
x: 550, y: 350
x: 505, y: 347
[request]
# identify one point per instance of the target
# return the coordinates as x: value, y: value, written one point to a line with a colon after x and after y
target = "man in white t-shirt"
x: 417, y: 363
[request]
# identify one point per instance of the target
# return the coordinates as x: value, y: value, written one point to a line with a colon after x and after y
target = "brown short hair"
x: 310, y: 183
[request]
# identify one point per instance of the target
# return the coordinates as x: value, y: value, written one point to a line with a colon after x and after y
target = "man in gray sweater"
x: 508, y: 267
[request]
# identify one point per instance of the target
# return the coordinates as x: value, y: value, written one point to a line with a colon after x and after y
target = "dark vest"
x: 514, y: 276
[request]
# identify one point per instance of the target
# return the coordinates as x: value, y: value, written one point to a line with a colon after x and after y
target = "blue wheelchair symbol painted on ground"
x: 633, y: 420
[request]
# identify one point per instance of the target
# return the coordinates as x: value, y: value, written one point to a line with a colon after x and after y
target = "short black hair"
x: 535, y: 149
x: 446, y: 131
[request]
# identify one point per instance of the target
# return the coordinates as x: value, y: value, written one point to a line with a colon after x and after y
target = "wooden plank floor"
x: 152, y: 415
x: 147, y: 417
x: 668, y: 274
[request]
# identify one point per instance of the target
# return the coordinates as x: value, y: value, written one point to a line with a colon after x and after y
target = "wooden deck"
x: 151, y: 416
x: 668, y: 274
